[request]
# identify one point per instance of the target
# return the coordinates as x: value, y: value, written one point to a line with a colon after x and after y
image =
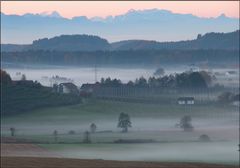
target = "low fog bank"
x: 81, y: 75
x: 212, y: 152
x: 160, y: 129
x: 149, y: 122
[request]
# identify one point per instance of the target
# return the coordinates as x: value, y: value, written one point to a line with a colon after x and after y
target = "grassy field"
x: 101, y: 109
x: 105, y: 115
x: 149, y: 121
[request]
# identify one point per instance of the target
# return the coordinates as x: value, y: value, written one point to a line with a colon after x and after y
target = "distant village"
x: 141, y: 90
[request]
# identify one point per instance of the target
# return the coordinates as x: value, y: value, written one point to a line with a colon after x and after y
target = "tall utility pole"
x: 95, y: 70
x: 208, y: 70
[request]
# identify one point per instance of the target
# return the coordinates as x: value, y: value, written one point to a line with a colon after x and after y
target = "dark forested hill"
x: 72, y: 43
x: 94, y: 43
x: 207, y: 41
x: 22, y: 96
x: 124, y: 57
x: 63, y: 43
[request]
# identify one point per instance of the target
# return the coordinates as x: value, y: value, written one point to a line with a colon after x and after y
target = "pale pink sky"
x: 105, y: 8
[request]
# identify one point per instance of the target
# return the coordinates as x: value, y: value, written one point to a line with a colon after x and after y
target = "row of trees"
x: 187, y: 79
x: 127, y: 57
x: 124, y: 122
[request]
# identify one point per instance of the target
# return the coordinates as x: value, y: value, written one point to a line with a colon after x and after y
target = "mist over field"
x: 104, y: 89
x: 149, y: 121
x: 86, y: 74
x: 155, y: 122
x: 153, y: 135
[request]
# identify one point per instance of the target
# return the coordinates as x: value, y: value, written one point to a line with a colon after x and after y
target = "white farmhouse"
x: 185, y: 100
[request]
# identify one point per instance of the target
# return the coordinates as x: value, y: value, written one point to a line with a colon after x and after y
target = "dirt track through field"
x: 35, y: 162
x: 28, y: 150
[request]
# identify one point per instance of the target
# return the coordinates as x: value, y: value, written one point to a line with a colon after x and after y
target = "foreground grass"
x: 37, y: 162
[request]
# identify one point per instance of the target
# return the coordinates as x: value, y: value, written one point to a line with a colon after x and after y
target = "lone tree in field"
x: 186, y: 123
x: 23, y: 78
x: 124, y: 122
x: 71, y: 132
x: 93, y: 128
x: 12, y: 130
x: 55, y: 134
x: 86, y: 138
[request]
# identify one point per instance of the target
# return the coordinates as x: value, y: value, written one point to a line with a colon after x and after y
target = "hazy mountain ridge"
x: 159, y: 25
x: 95, y: 43
x: 207, y: 41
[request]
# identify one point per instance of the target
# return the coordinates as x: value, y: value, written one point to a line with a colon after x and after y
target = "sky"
x: 106, y: 8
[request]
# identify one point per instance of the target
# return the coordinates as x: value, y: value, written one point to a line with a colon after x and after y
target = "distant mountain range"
x: 95, y: 43
x: 152, y: 24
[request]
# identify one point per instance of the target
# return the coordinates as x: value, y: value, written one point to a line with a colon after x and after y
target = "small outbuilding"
x: 68, y: 88
x: 88, y: 89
